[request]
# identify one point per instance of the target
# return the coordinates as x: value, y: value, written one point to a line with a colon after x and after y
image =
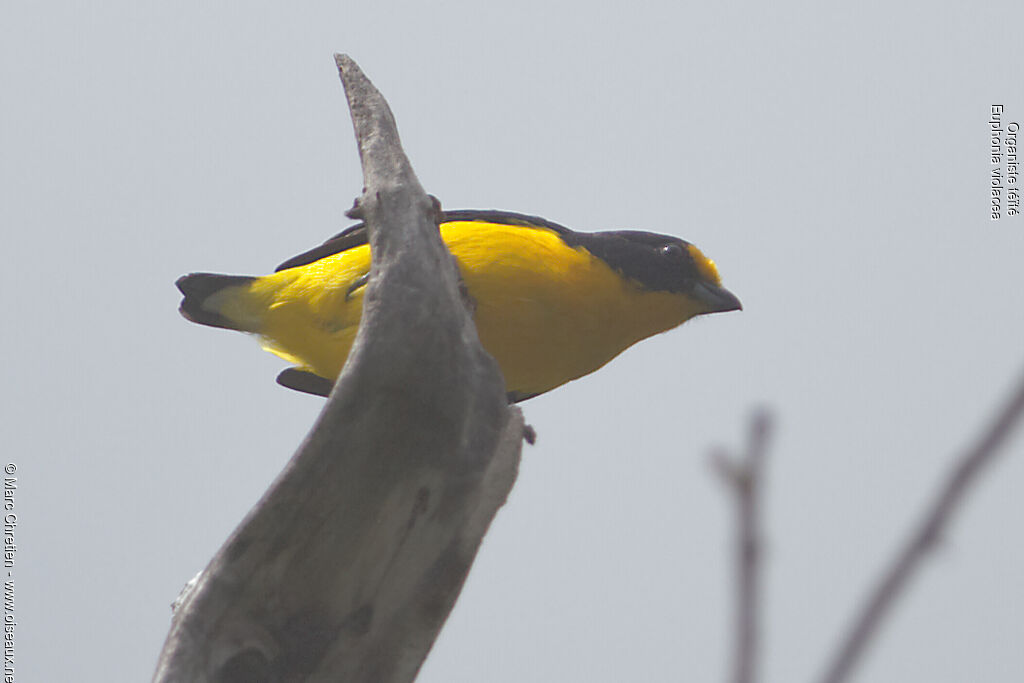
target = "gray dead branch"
x: 348, y: 566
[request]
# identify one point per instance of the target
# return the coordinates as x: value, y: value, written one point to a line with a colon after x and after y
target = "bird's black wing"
x: 356, y: 235
x: 504, y: 218
x: 306, y: 382
x: 349, y: 238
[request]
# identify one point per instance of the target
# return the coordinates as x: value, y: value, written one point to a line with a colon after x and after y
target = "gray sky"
x: 834, y: 162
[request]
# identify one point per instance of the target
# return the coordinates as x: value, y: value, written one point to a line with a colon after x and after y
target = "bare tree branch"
x: 743, y: 476
x: 907, y: 561
x: 348, y: 566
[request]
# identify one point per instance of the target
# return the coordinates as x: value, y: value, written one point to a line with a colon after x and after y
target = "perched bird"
x: 552, y: 304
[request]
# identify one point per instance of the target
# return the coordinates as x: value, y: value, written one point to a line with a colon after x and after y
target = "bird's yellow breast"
x: 546, y: 311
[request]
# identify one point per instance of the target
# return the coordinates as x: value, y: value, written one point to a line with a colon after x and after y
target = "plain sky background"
x: 832, y: 159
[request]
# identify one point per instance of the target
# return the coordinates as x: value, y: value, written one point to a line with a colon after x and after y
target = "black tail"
x: 198, y: 287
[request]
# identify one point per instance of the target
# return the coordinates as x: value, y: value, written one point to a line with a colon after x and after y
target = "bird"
x: 550, y: 304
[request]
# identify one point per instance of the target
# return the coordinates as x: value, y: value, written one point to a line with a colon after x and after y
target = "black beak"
x: 716, y: 298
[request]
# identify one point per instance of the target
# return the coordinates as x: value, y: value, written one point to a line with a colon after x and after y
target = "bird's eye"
x: 672, y: 251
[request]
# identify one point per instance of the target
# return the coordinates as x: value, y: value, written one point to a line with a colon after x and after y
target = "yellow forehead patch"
x: 705, y: 266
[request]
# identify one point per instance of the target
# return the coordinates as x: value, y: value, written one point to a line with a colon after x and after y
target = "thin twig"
x: 894, y: 580
x: 743, y: 477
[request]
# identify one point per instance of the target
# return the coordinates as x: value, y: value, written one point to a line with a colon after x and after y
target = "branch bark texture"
x: 348, y: 566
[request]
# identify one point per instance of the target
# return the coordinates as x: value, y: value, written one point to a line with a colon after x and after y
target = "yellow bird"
x: 552, y: 304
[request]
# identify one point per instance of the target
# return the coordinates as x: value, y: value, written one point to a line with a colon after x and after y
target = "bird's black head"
x: 661, y: 263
